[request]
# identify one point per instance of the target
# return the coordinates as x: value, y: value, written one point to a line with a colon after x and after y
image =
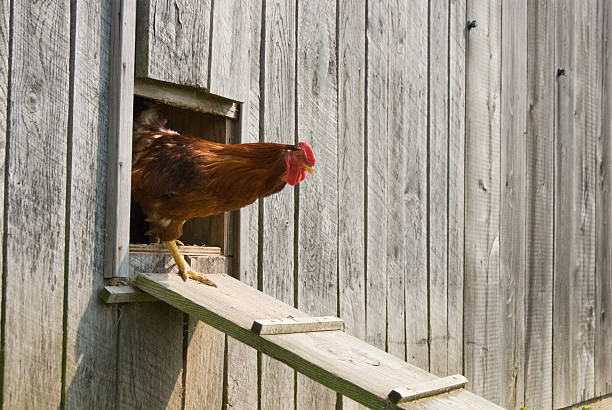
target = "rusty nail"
x: 120, y: 163
x: 120, y: 247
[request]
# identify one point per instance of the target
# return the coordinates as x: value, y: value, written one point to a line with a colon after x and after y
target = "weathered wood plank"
x: 173, y: 41
x: 292, y: 325
x: 277, y: 254
x: 351, y: 22
x: 316, y: 123
x: 482, y: 324
x: 125, y: 294
x: 513, y: 202
x: 35, y: 208
x: 336, y: 359
x: 456, y: 182
x: 376, y: 172
x: 437, y: 177
x: 574, y: 287
x: 229, y: 50
x: 5, y: 21
x: 119, y: 162
x: 427, y: 389
x: 603, y: 207
x: 185, y: 250
x: 241, y: 377
x: 150, y: 342
x: 205, y: 351
x: 539, y: 210
x: 396, y: 221
x: 407, y: 178
x: 186, y: 98
x: 351, y: 118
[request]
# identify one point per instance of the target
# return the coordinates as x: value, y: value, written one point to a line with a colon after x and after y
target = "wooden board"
x: 150, y: 342
x: 482, y: 321
x: 456, y: 182
x: 5, y: 21
x: 407, y: 179
x: 351, y: 169
x: 124, y: 294
x: 427, y: 389
x: 317, y: 202
x: 396, y: 176
x: 229, y: 50
x: 603, y: 207
x: 277, y: 234
x: 185, y: 97
x: 35, y: 208
x: 285, y: 325
x: 336, y: 359
x: 242, y: 373
x: 185, y: 250
x: 539, y: 210
x: 376, y: 145
x: 120, y: 121
x: 173, y: 41
x: 574, y: 264
x: 205, y: 350
x: 512, y: 217
x: 437, y: 190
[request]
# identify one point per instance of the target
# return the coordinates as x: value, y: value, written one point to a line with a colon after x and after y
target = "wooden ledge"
x: 427, y: 389
x: 125, y: 294
x: 192, y: 250
x: 296, y: 325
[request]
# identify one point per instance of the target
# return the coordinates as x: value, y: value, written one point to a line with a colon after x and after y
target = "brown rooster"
x: 177, y: 177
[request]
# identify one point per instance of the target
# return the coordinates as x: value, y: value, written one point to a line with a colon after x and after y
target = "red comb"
x: 309, y: 154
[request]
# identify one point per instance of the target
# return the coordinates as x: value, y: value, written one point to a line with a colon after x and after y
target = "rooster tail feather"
x: 150, y: 119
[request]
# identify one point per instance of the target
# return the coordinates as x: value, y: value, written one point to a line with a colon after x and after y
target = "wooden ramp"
x: 341, y: 362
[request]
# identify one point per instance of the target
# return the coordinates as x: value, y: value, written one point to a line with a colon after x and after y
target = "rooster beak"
x: 310, y: 170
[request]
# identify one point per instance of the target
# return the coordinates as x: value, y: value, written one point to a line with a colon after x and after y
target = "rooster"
x: 177, y: 177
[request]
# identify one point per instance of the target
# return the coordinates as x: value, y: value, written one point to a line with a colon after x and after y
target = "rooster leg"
x: 183, y: 266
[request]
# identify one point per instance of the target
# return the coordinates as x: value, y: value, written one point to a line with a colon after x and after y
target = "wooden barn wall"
x: 459, y: 216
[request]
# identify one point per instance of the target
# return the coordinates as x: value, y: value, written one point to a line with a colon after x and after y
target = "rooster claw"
x: 197, y: 276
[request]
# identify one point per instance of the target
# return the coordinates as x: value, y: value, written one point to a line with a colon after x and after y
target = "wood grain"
x: 396, y: 223
x: 277, y: 255
x: 351, y: 22
x: 119, y: 160
x: 540, y: 205
x: 456, y: 182
x: 317, y: 124
x: 603, y: 209
x: 173, y: 41
x: 35, y: 208
x: 229, y: 50
x: 376, y: 172
x: 482, y: 322
x: 407, y: 178
x: 205, y: 350
x: 574, y: 287
x: 242, y: 373
x: 91, y: 332
x: 336, y: 359
x: 150, y: 342
x: 513, y: 202
x: 437, y: 199
x: 5, y: 66
x: 280, y: 326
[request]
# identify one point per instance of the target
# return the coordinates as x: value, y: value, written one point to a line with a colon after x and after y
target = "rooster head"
x: 299, y: 160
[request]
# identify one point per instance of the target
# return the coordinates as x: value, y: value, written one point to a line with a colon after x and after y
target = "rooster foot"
x: 179, y: 242
x: 196, y: 276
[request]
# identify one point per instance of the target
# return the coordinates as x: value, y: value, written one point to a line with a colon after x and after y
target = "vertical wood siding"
x: 458, y: 217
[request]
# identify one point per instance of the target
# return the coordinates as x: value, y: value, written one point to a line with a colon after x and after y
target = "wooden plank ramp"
x: 341, y: 362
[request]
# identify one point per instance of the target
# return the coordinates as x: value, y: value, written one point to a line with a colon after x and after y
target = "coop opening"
x: 212, y: 231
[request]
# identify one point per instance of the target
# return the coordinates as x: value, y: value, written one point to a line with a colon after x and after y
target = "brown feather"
x: 177, y: 177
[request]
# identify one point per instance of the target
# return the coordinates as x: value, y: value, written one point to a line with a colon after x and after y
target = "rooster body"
x: 178, y: 177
